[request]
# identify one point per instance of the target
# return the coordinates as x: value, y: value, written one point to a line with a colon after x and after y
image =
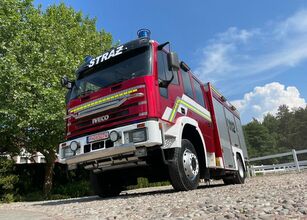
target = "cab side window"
x: 186, y: 83
x: 198, y: 92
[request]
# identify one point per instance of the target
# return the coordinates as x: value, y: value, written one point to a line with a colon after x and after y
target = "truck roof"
x: 131, y: 45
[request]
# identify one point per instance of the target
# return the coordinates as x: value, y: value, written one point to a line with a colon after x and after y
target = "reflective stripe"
x: 215, y: 90
x: 189, y: 106
x: 115, y: 96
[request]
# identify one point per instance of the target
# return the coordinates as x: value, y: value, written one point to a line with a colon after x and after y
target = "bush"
x: 66, y: 184
x: 8, y: 197
x: 31, y: 177
x: 73, y: 189
x: 32, y: 196
x: 7, y: 180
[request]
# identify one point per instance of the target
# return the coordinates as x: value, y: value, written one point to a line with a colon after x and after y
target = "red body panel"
x: 131, y: 107
x: 215, y: 136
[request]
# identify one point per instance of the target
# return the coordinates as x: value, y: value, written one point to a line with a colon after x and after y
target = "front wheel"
x: 184, y: 167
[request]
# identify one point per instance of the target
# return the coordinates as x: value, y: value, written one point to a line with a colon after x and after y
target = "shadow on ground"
x: 124, y: 195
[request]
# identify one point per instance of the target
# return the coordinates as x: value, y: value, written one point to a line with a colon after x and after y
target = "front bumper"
x: 121, y: 147
x: 104, y: 153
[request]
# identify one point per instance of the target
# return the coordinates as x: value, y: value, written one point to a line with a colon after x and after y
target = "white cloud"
x: 267, y: 99
x: 294, y: 24
x: 218, y: 56
x: 217, y: 60
x: 240, y: 54
x: 233, y: 34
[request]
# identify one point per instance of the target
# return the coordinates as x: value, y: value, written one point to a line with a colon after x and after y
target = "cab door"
x: 167, y: 95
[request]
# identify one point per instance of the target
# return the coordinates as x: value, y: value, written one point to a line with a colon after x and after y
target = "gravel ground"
x: 282, y: 196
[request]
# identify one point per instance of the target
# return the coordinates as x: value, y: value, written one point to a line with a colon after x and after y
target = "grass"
x: 143, y: 183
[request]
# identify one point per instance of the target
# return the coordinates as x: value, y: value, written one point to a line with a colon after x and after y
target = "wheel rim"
x: 240, y: 168
x: 190, y: 164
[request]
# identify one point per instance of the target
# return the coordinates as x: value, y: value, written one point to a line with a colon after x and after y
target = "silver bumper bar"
x: 101, y: 154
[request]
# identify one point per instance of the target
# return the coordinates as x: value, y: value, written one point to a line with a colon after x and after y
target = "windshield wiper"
x: 86, y: 92
x: 118, y: 81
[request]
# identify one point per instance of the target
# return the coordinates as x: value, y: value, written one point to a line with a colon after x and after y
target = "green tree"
x: 298, y: 129
x: 259, y: 141
x: 281, y: 133
x: 285, y: 126
x: 36, y: 48
x: 271, y: 123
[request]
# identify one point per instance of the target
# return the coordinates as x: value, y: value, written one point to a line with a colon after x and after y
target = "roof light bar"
x: 143, y: 33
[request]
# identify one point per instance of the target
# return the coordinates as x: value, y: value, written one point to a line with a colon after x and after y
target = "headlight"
x: 114, y: 136
x: 138, y: 135
x: 74, y: 145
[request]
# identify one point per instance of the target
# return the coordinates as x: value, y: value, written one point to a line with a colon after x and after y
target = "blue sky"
x: 255, y: 52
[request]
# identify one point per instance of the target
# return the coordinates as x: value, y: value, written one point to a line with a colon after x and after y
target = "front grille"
x: 87, y: 148
x: 98, y: 145
x: 88, y: 121
x: 108, y: 144
x: 114, y: 115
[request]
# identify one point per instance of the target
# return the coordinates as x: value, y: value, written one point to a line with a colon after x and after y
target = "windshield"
x: 129, y: 65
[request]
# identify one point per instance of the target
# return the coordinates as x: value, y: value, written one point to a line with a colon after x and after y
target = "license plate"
x: 97, y: 137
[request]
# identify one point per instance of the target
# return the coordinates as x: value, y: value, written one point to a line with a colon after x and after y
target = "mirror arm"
x: 160, y: 47
x: 165, y: 83
x: 70, y: 84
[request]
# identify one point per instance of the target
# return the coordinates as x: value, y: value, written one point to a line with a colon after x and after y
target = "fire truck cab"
x: 137, y: 110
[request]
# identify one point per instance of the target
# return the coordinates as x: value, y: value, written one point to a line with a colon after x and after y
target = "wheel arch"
x: 181, y: 129
x: 239, y: 153
x: 191, y: 133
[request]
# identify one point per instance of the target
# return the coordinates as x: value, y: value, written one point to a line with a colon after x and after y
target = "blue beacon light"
x: 88, y: 58
x: 143, y: 33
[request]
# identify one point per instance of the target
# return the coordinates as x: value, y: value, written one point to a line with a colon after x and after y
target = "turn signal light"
x: 142, y: 125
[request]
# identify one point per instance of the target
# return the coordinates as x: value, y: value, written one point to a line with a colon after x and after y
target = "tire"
x: 184, y: 168
x: 228, y: 181
x: 240, y: 173
x: 239, y: 176
x: 104, y: 186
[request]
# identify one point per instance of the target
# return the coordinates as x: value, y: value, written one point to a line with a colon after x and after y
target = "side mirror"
x: 184, y: 66
x: 173, y: 61
x: 65, y: 82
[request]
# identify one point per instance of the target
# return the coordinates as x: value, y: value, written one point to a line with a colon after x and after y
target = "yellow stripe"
x: 196, y: 110
x: 215, y: 90
x: 179, y: 101
x: 174, y: 110
x: 105, y: 99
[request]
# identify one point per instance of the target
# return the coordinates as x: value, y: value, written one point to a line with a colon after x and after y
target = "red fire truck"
x: 137, y: 110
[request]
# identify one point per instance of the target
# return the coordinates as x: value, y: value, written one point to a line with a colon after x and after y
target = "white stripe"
x: 196, y: 105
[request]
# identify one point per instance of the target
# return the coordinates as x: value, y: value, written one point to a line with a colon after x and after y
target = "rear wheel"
x: 241, y: 172
x: 105, y: 186
x: 239, y: 175
x: 184, y: 167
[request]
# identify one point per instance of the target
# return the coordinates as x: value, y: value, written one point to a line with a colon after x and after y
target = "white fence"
x: 295, y: 165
